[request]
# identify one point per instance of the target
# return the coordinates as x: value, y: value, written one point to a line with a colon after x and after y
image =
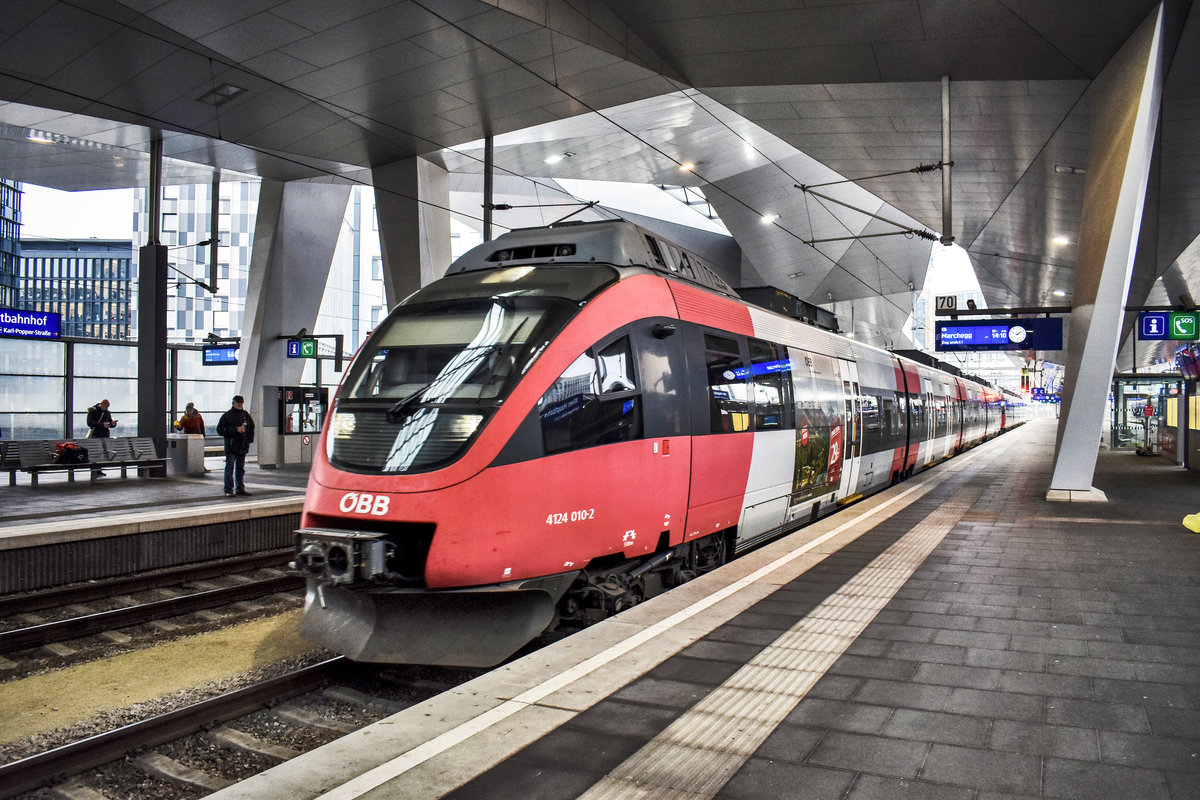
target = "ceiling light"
x: 39, y: 137
x: 767, y: 219
x: 1059, y: 293
x: 557, y: 157
x: 1065, y: 169
x: 221, y: 95
x: 1061, y: 240
x: 796, y: 275
x: 688, y: 166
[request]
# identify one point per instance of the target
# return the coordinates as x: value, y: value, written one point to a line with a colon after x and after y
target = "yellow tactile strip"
x: 44, y: 702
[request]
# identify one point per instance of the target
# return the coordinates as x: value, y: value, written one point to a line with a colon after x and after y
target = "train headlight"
x: 343, y: 426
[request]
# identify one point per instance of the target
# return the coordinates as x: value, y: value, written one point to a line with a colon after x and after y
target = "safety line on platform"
x: 697, y: 754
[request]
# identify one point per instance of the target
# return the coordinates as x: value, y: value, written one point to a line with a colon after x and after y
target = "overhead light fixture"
x: 796, y: 275
x: 221, y: 94
x: 767, y: 219
x: 557, y: 157
x: 40, y: 138
x: 1066, y: 169
x: 1059, y: 293
x: 1061, y: 240
x: 688, y: 166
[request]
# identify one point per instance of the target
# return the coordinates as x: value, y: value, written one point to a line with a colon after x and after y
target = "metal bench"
x: 124, y: 452
x: 35, y: 456
x: 10, y: 461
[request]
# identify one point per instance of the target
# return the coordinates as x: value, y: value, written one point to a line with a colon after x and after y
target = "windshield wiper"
x: 398, y: 410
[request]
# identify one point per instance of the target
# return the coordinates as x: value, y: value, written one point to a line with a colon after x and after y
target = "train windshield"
x: 433, y: 373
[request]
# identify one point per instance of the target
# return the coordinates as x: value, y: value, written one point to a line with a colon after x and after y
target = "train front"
x: 411, y: 539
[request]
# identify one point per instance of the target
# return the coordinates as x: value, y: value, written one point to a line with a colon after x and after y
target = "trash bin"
x: 185, y: 454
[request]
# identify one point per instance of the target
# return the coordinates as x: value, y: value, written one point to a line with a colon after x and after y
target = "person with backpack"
x: 100, y: 421
x: 237, y: 426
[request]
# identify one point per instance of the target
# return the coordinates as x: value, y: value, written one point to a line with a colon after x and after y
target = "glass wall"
x: 32, y: 388
x: 209, y: 387
x: 37, y: 397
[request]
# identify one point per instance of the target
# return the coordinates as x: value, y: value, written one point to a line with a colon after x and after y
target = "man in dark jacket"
x: 99, y: 421
x: 237, y: 427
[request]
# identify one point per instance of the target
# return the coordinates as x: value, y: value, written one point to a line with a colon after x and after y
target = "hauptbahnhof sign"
x: 30, y: 324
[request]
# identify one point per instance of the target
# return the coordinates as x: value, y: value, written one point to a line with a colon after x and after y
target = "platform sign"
x: 1183, y: 326
x: 946, y: 302
x: 1178, y: 325
x: 1153, y: 325
x: 999, y: 334
x: 301, y: 348
x: 30, y: 324
x: 217, y: 356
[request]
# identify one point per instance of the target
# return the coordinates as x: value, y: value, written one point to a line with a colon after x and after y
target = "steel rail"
x: 71, y: 759
x: 46, y: 633
x: 66, y: 595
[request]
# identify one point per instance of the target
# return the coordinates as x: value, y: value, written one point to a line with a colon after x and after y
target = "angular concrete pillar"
x: 295, y: 235
x: 412, y: 205
x: 1124, y: 120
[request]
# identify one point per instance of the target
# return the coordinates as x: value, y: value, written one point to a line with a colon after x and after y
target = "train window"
x: 772, y: 386
x: 655, y: 252
x: 685, y: 265
x: 595, y: 401
x: 729, y: 397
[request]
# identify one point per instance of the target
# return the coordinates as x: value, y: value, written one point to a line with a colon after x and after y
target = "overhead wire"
x: 675, y: 88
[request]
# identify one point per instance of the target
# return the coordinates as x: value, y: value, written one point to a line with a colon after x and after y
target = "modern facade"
x: 10, y: 241
x: 89, y: 282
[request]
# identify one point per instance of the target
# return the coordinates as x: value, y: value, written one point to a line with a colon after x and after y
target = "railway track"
x: 13, y: 605
x: 35, y: 771
x: 207, y: 745
x: 76, y: 627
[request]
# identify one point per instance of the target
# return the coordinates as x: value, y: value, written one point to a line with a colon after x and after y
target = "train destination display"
x: 999, y: 334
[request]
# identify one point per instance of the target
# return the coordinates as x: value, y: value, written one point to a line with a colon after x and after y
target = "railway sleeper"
x: 237, y: 740
x: 74, y: 789
x: 353, y: 697
x: 169, y: 769
x: 300, y: 716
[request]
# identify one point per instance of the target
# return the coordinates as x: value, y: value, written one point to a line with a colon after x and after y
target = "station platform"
x: 57, y: 510
x: 956, y: 636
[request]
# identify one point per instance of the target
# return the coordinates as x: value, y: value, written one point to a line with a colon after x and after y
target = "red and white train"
x: 575, y: 418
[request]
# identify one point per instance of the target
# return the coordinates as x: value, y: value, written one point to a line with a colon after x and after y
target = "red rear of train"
x: 576, y: 418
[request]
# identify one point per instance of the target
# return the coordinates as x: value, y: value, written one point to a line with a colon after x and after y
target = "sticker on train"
x: 578, y: 515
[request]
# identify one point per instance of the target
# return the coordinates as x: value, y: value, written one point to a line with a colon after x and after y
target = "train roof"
x: 617, y: 242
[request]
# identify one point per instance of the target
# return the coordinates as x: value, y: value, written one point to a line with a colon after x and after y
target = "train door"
x: 852, y: 432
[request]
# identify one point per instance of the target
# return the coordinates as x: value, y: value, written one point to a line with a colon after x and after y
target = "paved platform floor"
x: 55, y: 498
x: 967, y: 639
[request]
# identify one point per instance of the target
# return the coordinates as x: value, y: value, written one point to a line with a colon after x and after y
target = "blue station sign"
x: 999, y: 334
x: 215, y: 356
x: 1177, y: 325
x: 30, y: 324
x: 302, y: 348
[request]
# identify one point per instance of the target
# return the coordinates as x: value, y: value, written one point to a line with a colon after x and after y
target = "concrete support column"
x: 412, y: 202
x: 295, y: 236
x: 1124, y: 122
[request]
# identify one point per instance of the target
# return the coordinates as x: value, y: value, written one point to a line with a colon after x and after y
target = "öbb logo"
x: 364, y: 503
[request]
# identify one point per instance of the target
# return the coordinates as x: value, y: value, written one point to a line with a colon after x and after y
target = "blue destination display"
x: 999, y: 334
x: 214, y: 356
x: 30, y: 324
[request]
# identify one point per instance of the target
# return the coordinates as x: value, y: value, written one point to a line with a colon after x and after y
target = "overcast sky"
x: 49, y: 213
